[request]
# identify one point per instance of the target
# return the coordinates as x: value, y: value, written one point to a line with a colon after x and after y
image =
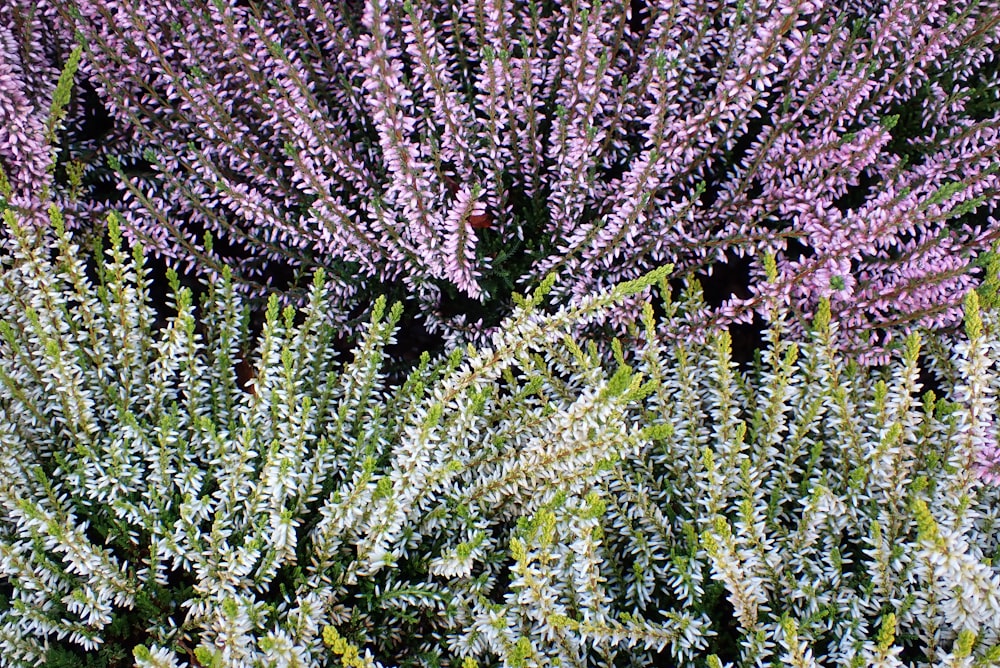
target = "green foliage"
x: 526, y: 503
x: 61, y: 96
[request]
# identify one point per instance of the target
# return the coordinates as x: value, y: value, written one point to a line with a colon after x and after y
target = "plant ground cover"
x: 221, y: 446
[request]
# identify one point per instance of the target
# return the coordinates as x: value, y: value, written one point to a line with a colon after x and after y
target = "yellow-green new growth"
x: 349, y: 654
x: 61, y: 95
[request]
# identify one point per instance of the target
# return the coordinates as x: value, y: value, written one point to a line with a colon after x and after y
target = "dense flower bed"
x: 215, y: 451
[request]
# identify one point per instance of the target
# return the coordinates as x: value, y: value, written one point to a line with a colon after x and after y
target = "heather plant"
x: 526, y: 503
x: 47, y: 153
x: 154, y: 501
x: 450, y: 151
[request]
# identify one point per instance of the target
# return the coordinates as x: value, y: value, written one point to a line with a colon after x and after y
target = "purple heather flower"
x: 335, y: 134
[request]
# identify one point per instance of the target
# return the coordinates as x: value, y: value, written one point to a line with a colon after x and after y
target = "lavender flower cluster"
x: 458, y: 149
